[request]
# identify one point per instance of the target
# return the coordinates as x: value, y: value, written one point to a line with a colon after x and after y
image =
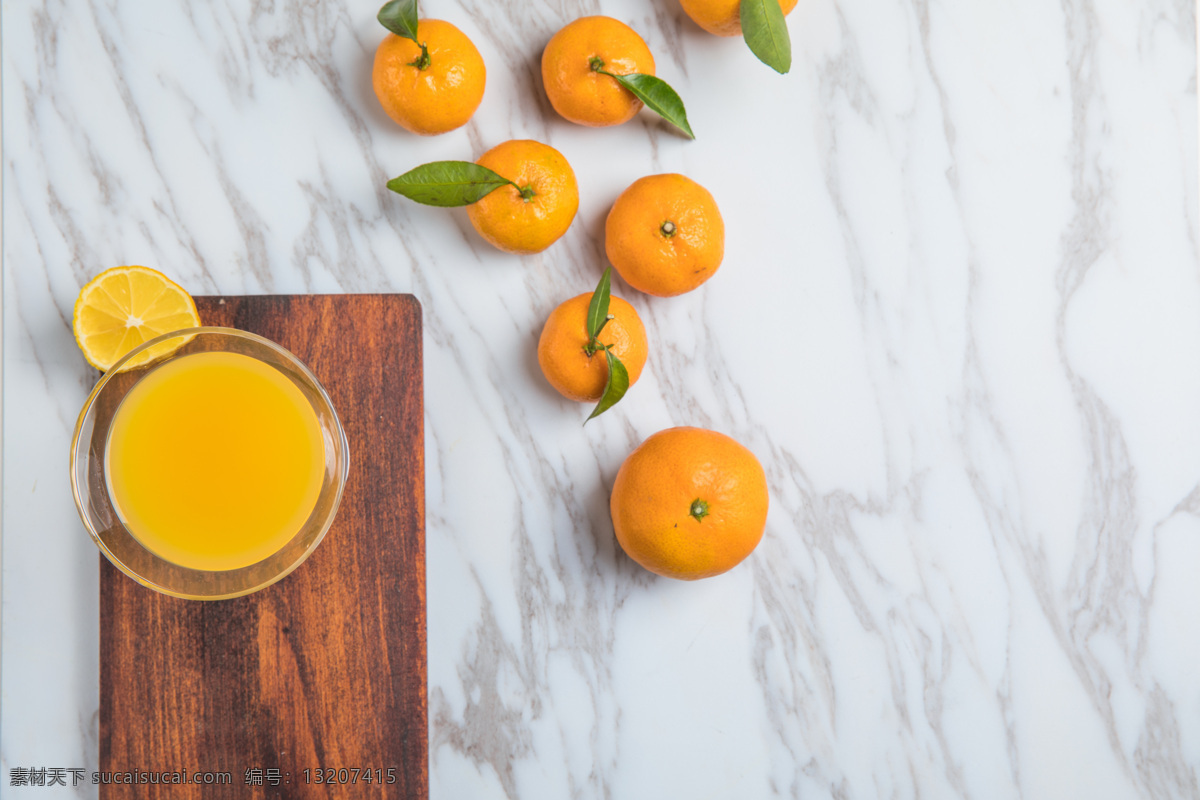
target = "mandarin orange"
x: 570, y: 62
x: 665, y: 235
x: 689, y: 503
x: 528, y: 217
x: 431, y: 89
x: 563, y: 351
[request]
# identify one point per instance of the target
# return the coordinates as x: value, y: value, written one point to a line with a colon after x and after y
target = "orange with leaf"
x: 522, y: 195
x: 689, y: 503
x: 760, y: 22
x: 428, y: 76
x: 593, y: 347
x: 598, y: 71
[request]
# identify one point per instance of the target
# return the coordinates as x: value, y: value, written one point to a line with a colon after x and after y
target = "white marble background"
x: 958, y: 321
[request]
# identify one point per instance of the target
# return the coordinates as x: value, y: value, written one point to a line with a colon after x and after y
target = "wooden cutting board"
x: 325, y: 670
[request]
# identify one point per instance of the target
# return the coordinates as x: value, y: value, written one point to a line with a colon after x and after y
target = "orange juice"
x: 215, y: 460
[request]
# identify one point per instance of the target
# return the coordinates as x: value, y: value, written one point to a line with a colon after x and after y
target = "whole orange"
x: 531, y: 216
x: 665, y: 235
x: 563, y: 347
x: 689, y: 503
x: 432, y: 92
x: 723, y: 17
x: 569, y: 70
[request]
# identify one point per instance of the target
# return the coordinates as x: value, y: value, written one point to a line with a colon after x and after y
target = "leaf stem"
x: 597, y: 65
x: 592, y: 346
x: 423, y: 61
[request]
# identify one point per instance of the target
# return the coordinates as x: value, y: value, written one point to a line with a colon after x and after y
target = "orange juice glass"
x: 214, y: 470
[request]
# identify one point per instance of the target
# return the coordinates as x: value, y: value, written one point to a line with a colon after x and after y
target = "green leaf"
x: 598, y: 307
x: 614, y: 388
x: 400, y: 17
x: 766, y: 33
x: 447, y: 183
x: 659, y: 97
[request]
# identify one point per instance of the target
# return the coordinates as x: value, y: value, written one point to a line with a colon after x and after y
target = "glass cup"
x: 89, y: 480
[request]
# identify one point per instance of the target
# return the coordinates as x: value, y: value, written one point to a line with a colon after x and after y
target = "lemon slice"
x: 124, y: 306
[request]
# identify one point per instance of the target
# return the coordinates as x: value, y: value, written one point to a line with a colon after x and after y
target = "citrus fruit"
x: 430, y: 89
x: 563, y: 351
x: 689, y: 503
x: 723, y: 17
x: 665, y: 235
x: 570, y: 62
x: 123, y: 307
x: 533, y: 214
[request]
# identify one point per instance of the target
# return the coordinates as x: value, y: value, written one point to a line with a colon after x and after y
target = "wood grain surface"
x: 327, y: 668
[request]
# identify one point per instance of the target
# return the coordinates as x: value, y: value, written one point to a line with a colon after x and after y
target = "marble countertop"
x: 958, y: 321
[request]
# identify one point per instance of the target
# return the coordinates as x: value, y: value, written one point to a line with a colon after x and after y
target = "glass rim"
x: 341, y: 447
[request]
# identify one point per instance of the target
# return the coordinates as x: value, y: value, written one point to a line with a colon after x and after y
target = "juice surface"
x: 215, y: 460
